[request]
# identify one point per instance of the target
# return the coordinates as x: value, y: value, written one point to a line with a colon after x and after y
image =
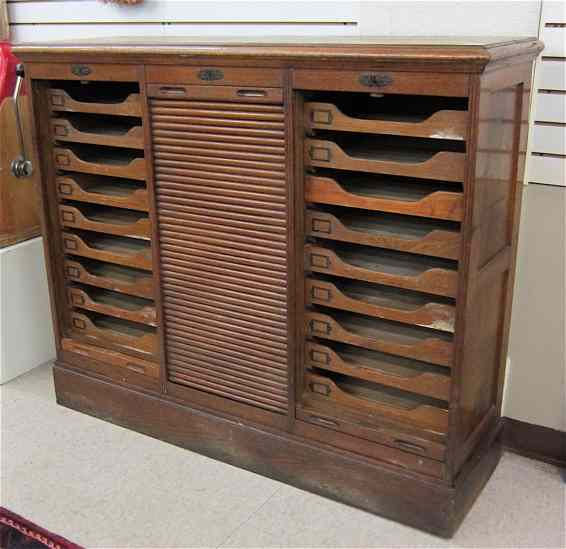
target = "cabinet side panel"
x: 492, y: 221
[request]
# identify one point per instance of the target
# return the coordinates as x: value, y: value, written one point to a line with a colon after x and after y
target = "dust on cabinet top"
x: 460, y: 54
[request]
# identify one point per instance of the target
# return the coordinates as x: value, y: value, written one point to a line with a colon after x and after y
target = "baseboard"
x: 535, y: 441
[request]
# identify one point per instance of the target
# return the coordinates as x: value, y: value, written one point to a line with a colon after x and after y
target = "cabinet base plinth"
x: 425, y: 504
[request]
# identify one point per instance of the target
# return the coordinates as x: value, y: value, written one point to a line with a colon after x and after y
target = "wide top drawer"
x: 441, y: 84
x: 214, y: 75
x: 84, y: 71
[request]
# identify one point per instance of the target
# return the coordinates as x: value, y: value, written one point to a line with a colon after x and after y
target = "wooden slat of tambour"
x: 179, y: 161
x: 245, y: 316
x: 245, y: 372
x: 222, y: 276
x: 187, y: 168
x: 193, y: 287
x: 180, y: 146
x: 248, y: 199
x: 205, y: 361
x: 234, y: 263
x: 229, y: 393
x: 179, y: 138
x: 214, y: 128
x: 218, y: 227
x: 226, y: 204
x: 268, y: 312
x: 170, y: 210
x: 245, y: 158
x: 254, y: 248
x: 222, y: 200
x: 273, y: 372
x: 227, y: 348
x: 262, y: 180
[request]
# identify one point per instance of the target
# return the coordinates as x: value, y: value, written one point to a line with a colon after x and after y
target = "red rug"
x: 18, y: 533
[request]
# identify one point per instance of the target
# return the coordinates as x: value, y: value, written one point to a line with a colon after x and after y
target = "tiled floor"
x: 104, y: 486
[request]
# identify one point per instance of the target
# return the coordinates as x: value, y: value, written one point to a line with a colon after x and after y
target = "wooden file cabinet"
x: 295, y: 258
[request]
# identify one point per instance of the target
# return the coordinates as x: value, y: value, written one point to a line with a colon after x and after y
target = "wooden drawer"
x: 365, y: 156
x: 387, y: 194
x: 382, y: 302
x: 105, y: 330
x: 110, y: 363
x: 383, y: 336
x: 124, y: 251
x: 101, y: 161
x: 386, y: 231
x: 442, y: 124
x: 219, y: 93
x: 111, y: 277
x: 99, y: 130
x: 440, y: 84
x: 84, y: 72
x: 62, y: 101
x: 323, y: 414
x: 115, y: 304
x: 424, y: 274
x: 121, y: 193
x: 376, y: 401
x: 393, y: 371
x: 214, y: 75
x: 106, y: 220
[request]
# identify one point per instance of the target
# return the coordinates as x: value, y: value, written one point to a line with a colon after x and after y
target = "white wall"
x: 535, y: 389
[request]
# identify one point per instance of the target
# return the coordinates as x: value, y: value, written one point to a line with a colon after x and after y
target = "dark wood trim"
x: 312, y: 466
x: 535, y: 441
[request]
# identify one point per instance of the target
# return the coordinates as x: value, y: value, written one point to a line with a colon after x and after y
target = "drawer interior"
x: 99, y: 154
x: 99, y: 184
x: 391, y: 107
x: 101, y: 124
x: 96, y: 92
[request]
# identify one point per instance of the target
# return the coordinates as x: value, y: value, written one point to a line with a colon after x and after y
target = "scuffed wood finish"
x: 444, y: 166
x: 390, y: 268
x: 119, y: 193
x: 19, y: 201
x: 443, y: 124
x: 386, y: 195
x: 296, y: 257
x: 394, y: 233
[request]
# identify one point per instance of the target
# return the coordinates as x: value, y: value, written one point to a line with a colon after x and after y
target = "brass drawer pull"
x: 321, y: 294
x: 321, y: 226
x: 320, y: 154
x: 375, y: 80
x: 318, y: 327
x: 320, y: 358
x: 323, y: 421
x: 251, y: 93
x: 320, y: 388
x: 210, y: 74
x: 411, y: 446
x: 81, y: 70
x: 172, y: 90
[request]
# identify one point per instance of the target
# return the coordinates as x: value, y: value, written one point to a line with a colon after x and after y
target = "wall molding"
x: 535, y: 441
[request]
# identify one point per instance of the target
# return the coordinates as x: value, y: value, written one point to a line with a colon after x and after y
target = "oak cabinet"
x: 296, y: 268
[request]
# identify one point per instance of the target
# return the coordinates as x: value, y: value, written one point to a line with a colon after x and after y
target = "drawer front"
x: 382, y: 302
x: 61, y: 101
x: 411, y: 199
x: 243, y: 94
x: 452, y: 85
x: 443, y: 124
x: 375, y: 402
x: 382, y: 336
x: 443, y: 165
x: 214, y: 75
x: 115, y: 365
x: 405, y: 374
x: 83, y: 71
x: 386, y: 232
x: 63, y: 130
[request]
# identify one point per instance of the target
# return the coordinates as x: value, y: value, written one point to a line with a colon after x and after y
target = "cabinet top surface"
x: 475, y: 50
